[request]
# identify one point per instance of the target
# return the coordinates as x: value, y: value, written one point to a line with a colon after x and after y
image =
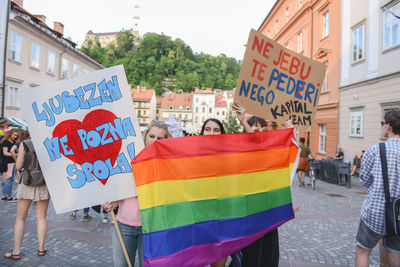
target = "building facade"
x: 106, y: 38
x: 145, y: 105
x: 180, y: 106
x: 36, y: 55
x: 203, y: 106
x: 370, y: 72
x: 312, y: 28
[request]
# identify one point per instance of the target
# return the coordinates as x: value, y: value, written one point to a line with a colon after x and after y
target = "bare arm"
x: 240, y: 113
x: 19, y: 163
x: 14, y: 151
x: 6, y: 153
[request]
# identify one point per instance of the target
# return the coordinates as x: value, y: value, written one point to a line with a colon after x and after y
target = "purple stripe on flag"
x: 189, y: 256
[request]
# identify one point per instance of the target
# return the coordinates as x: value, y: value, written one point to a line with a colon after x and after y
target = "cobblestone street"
x: 323, y: 233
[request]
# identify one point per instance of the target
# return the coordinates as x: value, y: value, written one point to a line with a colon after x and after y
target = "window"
x: 210, y: 110
x: 287, y: 15
x: 35, y: 56
x: 356, y: 120
x: 12, y: 99
x: 358, y: 44
x: 325, y: 85
x: 325, y: 30
x: 197, y: 109
x: 322, y: 138
x: 16, y: 43
x: 197, y: 100
x: 391, y: 27
x: 223, y: 113
x: 64, y: 68
x: 300, y: 3
x: 217, y: 113
x: 139, y: 113
x: 76, y: 70
x: 203, y: 109
x: 196, y: 119
x: 85, y: 71
x: 300, y: 42
x: 51, y: 62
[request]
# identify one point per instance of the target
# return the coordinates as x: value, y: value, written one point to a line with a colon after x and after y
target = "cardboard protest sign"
x: 85, y: 134
x: 277, y: 84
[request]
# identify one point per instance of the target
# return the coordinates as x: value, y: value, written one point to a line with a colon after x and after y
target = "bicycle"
x: 311, y: 172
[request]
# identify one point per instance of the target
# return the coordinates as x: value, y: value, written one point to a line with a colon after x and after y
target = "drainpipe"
x: 3, y: 84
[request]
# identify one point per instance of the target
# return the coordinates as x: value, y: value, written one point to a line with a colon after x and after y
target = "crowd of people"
x: 18, y: 153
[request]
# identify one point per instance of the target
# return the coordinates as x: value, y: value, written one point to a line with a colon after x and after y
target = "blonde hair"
x: 159, y: 125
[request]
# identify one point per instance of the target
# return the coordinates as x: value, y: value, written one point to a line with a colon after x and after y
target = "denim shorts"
x: 367, y: 239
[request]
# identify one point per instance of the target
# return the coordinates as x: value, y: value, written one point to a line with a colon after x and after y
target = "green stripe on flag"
x: 185, y: 213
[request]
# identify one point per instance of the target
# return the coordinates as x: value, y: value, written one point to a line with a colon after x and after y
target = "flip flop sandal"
x: 41, y: 253
x: 10, y: 255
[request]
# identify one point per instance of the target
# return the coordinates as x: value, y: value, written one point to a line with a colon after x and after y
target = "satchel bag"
x: 392, y: 205
x: 32, y: 174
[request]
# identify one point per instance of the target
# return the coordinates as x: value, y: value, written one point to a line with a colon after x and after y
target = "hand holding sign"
x: 278, y: 84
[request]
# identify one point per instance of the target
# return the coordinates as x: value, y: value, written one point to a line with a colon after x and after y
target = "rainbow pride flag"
x: 205, y: 197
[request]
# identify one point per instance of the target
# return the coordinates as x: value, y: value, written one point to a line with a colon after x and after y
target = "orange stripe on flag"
x: 156, y: 170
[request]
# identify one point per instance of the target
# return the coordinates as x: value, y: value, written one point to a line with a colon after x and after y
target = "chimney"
x: 42, y: 18
x: 59, y: 27
x: 19, y: 2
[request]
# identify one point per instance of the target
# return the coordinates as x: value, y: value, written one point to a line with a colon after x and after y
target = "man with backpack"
x: 374, y: 213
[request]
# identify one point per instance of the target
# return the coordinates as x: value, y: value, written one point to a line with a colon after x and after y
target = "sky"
x: 209, y: 26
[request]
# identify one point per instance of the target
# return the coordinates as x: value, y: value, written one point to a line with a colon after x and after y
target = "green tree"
x: 158, y: 59
x: 231, y: 124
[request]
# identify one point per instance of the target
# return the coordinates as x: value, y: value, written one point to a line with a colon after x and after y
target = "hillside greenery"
x: 161, y: 63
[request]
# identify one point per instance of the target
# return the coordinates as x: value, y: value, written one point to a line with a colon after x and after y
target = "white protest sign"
x: 174, y: 127
x: 85, y: 134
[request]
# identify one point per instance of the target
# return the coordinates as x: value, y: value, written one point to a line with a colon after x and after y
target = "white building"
x: 203, y: 106
x: 370, y: 71
x: 36, y: 55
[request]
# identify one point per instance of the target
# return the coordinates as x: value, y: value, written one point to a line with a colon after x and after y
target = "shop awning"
x: 12, y: 122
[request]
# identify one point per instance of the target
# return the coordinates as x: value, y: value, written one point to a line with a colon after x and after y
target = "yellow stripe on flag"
x: 175, y: 191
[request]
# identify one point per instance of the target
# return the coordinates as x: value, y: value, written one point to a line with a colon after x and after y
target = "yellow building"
x: 145, y: 105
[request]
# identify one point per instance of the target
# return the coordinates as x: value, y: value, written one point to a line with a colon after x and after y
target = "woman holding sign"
x: 264, y: 251
x: 128, y: 217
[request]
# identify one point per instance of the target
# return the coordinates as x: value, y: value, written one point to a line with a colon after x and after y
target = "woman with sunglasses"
x: 128, y: 217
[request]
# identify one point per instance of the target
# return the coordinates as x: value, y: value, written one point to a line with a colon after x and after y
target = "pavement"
x: 321, y: 235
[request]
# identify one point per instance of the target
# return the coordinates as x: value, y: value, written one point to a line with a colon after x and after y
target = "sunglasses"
x: 161, y: 123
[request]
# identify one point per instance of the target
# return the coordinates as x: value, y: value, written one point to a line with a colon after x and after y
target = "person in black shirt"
x: 7, y: 142
x: 339, y: 155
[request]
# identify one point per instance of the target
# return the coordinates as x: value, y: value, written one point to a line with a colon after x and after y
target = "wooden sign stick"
x: 120, y: 238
